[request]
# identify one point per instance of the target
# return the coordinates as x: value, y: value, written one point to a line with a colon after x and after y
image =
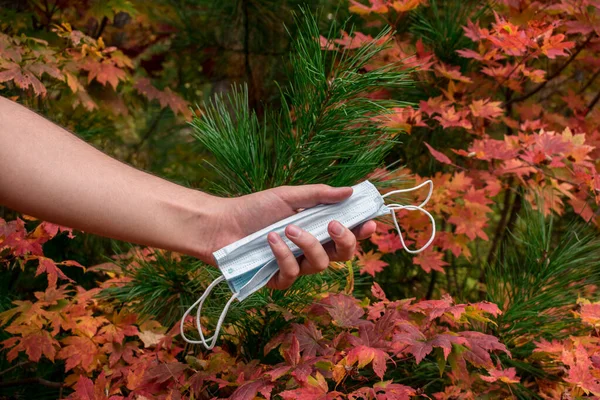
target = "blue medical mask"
x: 248, y: 264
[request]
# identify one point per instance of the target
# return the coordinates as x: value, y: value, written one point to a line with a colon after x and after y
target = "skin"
x: 51, y: 174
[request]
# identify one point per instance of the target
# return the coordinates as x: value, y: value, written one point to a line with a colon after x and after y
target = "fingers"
x: 310, y: 195
x: 365, y: 230
x: 344, y: 242
x: 343, y: 246
x: 315, y: 256
x: 288, y: 265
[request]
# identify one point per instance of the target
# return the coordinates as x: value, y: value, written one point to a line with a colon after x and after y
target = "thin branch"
x: 27, y: 381
x: 592, y: 104
x: 589, y: 82
x: 431, y: 285
x: 101, y: 28
x: 148, y: 133
x: 555, y: 74
x: 500, y: 229
x: 18, y: 365
x: 247, y: 66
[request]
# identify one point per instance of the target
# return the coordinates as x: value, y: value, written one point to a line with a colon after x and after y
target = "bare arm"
x: 47, y: 172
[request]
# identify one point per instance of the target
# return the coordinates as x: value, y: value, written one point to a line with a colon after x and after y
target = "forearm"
x: 49, y: 173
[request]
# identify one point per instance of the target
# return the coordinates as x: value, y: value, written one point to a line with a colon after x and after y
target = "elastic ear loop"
x: 204, y: 341
x: 394, y: 207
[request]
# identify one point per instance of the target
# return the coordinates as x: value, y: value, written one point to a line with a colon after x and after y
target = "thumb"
x: 311, y: 195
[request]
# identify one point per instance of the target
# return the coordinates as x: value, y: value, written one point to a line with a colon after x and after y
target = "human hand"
x: 247, y: 214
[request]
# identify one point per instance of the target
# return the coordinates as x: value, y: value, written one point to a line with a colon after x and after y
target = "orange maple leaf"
x: 371, y: 263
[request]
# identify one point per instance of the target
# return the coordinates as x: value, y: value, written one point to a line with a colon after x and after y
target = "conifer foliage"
x: 496, y: 102
x: 328, y: 129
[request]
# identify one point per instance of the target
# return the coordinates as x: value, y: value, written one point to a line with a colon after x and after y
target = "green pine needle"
x: 325, y: 132
x: 539, y: 279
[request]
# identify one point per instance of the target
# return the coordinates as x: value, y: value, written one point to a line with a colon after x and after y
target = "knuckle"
x: 312, y: 244
x: 347, y: 241
x: 322, y: 266
x: 284, y: 256
x: 290, y: 276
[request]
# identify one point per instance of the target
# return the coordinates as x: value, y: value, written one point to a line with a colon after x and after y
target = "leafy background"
x: 495, y: 102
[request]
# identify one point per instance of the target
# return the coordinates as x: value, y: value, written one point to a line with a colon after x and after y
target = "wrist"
x: 201, y: 220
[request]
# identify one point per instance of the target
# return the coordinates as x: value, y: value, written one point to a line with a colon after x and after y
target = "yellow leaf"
x: 150, y: 338
x: 349, y: 279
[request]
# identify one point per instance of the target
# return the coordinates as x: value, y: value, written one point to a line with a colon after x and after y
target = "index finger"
x: 311, y: 195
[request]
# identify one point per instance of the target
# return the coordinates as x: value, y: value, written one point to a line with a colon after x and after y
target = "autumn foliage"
x: 503, y: 118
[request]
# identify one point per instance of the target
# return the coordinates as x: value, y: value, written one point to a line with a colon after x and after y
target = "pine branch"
x: 539, y: 278
x: 326, y: 132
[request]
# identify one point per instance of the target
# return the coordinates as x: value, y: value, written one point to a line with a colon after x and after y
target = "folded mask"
x: 248, y: 264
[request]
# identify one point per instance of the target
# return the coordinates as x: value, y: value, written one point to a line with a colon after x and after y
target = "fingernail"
x: 273, y: 238
x: 337, y: 228
x: 293, y: 231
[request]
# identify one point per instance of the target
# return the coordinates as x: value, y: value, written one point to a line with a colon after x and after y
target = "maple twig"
x: 555, y: 74
x: 101, y: 28
x: 147, y: 135
x: 592, y: 104
x: 26, y: 381
x: 516, y: 207
x: 431, y: 285
x: 500, y: 228
x: 18, y: 365
x: 523, y: 60
x: 262, y: 52
x: 589, y: 82
x: 247, y: 66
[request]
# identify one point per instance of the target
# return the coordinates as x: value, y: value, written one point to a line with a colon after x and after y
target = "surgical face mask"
x: 248, y: 264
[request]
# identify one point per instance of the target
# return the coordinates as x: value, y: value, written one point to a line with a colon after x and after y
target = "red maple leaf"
x: 469, y: 222
x: 555, y: 46
x: 49, y: 267
x: 479, y: 346
x: 413, y: 341
x: 508, y: 375
x: 544, y: 346
x: 486, y: 109
x: 34, y: 343
x: 452, y: 73
x: 344, y: 310
x: 23, y: 79
x: 376, y: 6
x: 430, y: 260
x: 125, y: 352
x: 370, y: 346
x: 371, y: 262
x: 450, y: 118
x: 580, y: 367
x: 250, y: 390
x: 589, y: 313
x: 441, y: 157
x: 165, y: 97
x: 79, y: 351
x: 121, y: 325
x: 310, y: 339
x: 378, y: 292
x: 386, y: 242
x: 315, y: 388
x: 86, y: 389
